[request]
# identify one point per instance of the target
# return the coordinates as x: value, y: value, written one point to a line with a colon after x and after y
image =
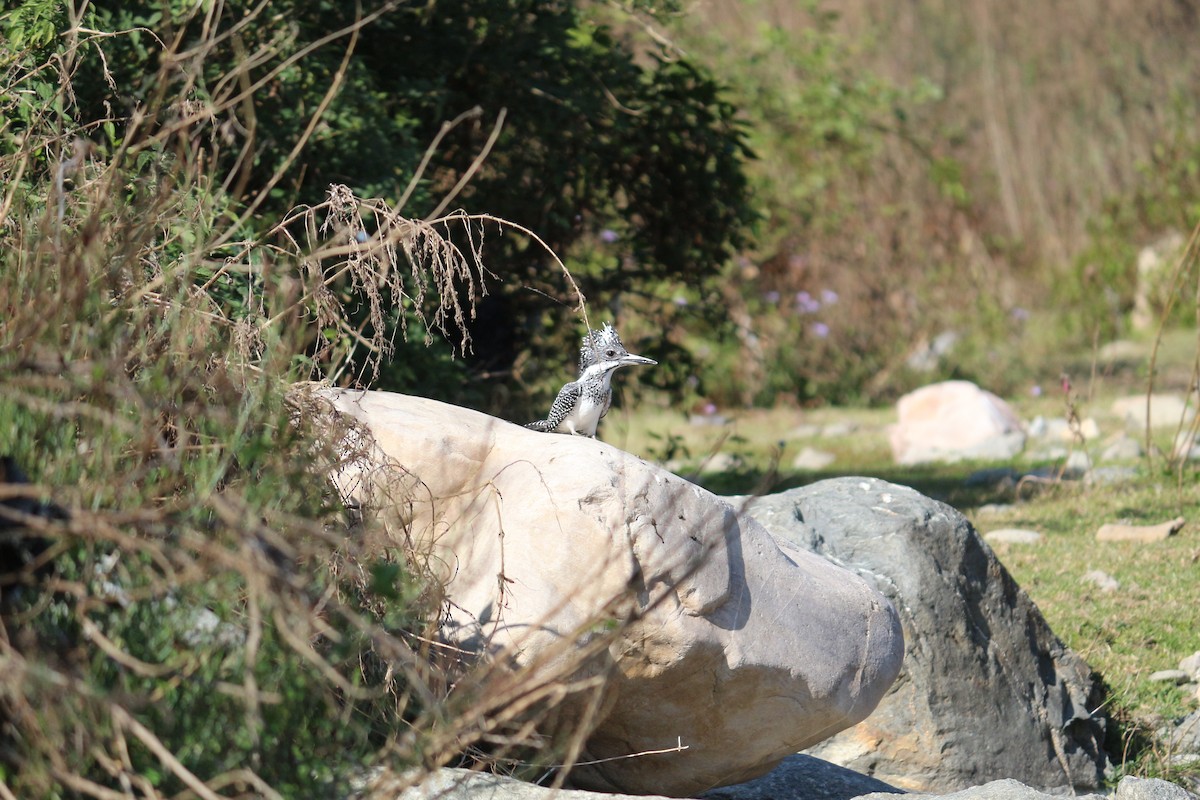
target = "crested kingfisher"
x: 582, y: 402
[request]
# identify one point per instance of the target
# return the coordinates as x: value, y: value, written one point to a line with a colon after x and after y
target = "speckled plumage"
x: 583, y: 402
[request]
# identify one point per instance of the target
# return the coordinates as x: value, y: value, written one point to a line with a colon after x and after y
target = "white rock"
x: 812, y: 459
x: 1089, y: 429
x: 721, y: 641
x: 1175, y: 676
x: 1077, y: 465
x: 952, y: 421
x: 1101, y: 580
x: 805, y: 431
x: 1060, y: 430
x: 1122, y: 448
x: 1165, y: 410
x: 1191, y: 664
x: 721, y: 462
x: 1012, y: 536
x: 836, y: 430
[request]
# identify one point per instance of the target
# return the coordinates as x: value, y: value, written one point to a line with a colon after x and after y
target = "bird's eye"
x: 610, y: 352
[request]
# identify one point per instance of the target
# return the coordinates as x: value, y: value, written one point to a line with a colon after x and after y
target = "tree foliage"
x: 558, y: 124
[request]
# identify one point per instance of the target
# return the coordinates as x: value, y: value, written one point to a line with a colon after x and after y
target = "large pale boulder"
x: 987, y: 690
x: 954, y: 421
x: 723, y: 643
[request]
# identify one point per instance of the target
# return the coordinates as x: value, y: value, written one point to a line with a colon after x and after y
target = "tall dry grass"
x: 187, y: 605
x: 979, y: 168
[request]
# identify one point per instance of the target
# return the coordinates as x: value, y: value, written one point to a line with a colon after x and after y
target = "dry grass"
x: 182, y: 608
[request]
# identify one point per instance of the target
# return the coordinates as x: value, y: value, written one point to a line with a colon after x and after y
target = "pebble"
x: 812, y: 459
x: 836, y: 429
x: 1101, y: 580
x: 806, y: 431
x: 722, y: 462
x: 1123, y: 448
x: 1012, y: 536
x: 1175, y: 676
x: 1058, y: 429
x: 1107, y: 476
x: 993, y: 508
x: 1119, y: 532
x: 1078, y: 464
x: 1166, y: 410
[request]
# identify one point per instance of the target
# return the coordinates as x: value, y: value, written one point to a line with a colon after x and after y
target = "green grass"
x: 1148, y: 624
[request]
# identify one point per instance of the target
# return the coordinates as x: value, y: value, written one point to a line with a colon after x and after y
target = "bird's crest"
x: 601, y: 345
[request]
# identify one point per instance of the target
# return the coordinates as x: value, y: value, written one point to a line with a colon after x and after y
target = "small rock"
x: 1102, y: 580
x: 722, y: 462
x: 1077, y: 465
x: 837, y: 429
x: 1052, y: 452
x: 996, y: 478
x: 1119, y: 532
x: 1175, y: 676
x: 1107, y: 476
x: 990, y: 509
x: 1165, y: 410
x: 1131, y: 788
x: 1059, y: 430
x: 805, y: 431
x: 1122, y: 448
x: 812, y: 459
x: 1037, y: 427
x: 1191, y: 664
x: 1012, y: 536
x: 1186, y: 736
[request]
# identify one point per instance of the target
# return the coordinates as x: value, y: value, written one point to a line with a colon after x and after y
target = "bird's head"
x: 603, y: 348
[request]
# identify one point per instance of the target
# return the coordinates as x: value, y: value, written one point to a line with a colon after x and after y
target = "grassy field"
x: 1148, y: 624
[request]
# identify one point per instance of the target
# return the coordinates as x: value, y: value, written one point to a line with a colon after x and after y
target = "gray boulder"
x: 987, y: 690
x: 804, y: 777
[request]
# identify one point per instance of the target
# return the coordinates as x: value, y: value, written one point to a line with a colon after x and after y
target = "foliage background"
x: 781, y: 203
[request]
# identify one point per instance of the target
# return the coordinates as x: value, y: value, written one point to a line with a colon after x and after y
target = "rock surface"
x: 987, y: 690
x: 798, y: 778
x: 717, y: 639
x: 805, y: 778
x: 953, y: 421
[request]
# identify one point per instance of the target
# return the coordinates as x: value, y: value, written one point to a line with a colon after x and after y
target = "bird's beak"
x: 629, y: 359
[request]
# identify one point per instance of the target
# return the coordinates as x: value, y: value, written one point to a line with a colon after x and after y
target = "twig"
x: 125, y: 720
x: 471, y: 170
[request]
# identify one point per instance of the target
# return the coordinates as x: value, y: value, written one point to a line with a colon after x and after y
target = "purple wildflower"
x: 608, y: 236
x: 819, y: 330
x: 806, y: 303
x: 829, y: 296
